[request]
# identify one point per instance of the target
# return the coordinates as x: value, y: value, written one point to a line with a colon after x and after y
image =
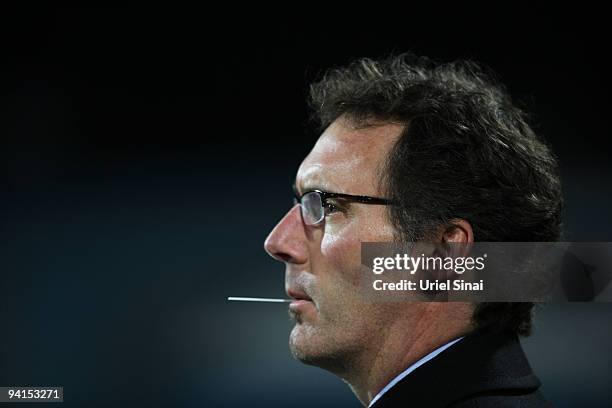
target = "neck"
x: 396, y: 351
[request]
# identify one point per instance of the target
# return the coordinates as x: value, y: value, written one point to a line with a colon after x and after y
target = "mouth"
x: 300, y: 300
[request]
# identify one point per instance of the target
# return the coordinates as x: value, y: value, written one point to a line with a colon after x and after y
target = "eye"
x: 331, y: 207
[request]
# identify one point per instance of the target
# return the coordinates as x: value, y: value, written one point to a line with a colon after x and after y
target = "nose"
x: 287, y: 241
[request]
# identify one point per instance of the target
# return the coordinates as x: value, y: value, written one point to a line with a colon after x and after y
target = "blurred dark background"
x: 145, y: 154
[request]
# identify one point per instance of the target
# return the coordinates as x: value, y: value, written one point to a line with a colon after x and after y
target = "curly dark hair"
x: 466, y: 152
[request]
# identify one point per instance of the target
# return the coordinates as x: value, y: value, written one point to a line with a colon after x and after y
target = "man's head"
x: 337, y: 326
x: 446, y: 145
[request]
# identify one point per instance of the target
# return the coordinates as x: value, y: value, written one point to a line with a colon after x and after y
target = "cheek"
x: 339, y: 260
x: 341, y: 243
x: 342, y: 256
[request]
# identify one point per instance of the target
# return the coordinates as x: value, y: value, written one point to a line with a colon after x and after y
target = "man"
x: 414, y: 151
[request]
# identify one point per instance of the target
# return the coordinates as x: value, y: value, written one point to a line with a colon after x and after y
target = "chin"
x: 311, y: 347
x: 305, y: 343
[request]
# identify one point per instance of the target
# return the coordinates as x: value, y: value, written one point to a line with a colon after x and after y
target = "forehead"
x: 347, y: 158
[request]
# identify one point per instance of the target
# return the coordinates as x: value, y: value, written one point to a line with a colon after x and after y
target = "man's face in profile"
x: 323, y: 261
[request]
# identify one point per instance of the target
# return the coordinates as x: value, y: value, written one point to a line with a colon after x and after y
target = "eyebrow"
x: 308, y: 187
x: 297, y: 190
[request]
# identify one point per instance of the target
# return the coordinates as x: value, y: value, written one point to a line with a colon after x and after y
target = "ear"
x: 453, y: 240
x: 458, y: 231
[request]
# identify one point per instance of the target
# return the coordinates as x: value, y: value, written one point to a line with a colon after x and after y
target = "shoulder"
x: 482, y: 370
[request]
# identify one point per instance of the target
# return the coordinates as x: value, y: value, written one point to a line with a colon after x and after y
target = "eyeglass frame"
x: 361, y: 199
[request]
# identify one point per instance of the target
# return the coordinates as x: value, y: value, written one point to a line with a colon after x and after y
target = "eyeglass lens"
x: 312, y: 208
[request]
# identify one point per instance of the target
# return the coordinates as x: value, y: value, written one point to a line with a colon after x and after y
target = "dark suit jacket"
x: 482, y: 370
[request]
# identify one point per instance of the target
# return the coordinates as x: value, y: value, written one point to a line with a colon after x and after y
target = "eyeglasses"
x: 313, y: 204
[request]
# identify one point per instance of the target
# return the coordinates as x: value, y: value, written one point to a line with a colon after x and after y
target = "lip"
x: 298, y: 304
x: 300, y: 299
x: 298, y: 294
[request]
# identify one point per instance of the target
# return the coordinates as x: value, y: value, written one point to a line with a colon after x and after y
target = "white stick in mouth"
x: 252, y: 299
